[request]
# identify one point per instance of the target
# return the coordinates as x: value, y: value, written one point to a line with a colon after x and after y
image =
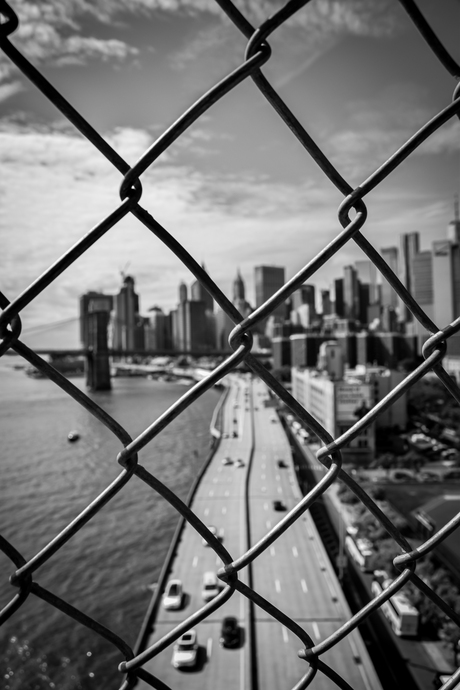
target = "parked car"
x: 213, y: 531
x: 211, y: 586
x: 240, y: 462
x: 230, y: 632
x: 278, y: 505
x: 173, y: 596
x: 280, y: 462
x: 227, y: 460
x: 185, y: 651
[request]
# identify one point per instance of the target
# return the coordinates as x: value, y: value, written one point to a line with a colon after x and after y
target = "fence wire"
x: 256, y: 55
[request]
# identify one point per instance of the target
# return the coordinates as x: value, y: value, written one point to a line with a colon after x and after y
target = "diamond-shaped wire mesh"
x: 352, y: 217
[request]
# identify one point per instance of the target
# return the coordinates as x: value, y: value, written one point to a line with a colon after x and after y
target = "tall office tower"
x: 200, y: 294
x: 338, y: 297
x: 268, y: 280
x: 238, y: 288
x: 326, y: 306
x: 422, y: 270
x: 304, y: 295
x: 303, y: 308
x: 364, y: 291
x: 446, y: 282
x: 183, y: 292
x: 367, y: 275
x: 389, y: 298
x: 126, y: 309
x: 158, y: 331
x: 350, y: 292
x: 410, y: 246
x: 453, y: 229
x: 90, y: 303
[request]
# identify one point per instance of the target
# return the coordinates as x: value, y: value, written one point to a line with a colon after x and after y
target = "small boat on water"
x: 73, y: 436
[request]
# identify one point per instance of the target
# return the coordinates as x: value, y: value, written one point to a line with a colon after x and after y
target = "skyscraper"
x: 200, y: 294
x: 350, y: 292
x: 410, y: 246
x: 389, y: 297
x: 268, y: 280
x: 126, y: 310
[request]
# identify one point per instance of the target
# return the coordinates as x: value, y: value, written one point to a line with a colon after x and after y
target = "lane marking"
x: 285, y: 634
x: 224, y: 510
x: 295, y: 552
x: 272, y: 550
x: 265, y: 506
x: 277, y: 477
x: 194, y: 562
x: 209, y: 647
x: 263, y: 488
x: 304, y: 585
x: 316, y: 631
x: 280, y: 490
x: 215, y: 480
x: 227, y: 493
x: 211, y: 493
x: 277, y: 586
x: 206, y: 511
x: 269, y: 524
x: 262, y: 476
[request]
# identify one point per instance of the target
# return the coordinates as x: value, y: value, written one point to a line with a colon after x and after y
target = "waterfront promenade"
x: 294, y: 573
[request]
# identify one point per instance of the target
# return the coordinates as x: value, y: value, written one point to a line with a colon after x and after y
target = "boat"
x: 73, y: 436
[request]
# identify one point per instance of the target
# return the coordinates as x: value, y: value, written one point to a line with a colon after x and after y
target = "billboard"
x: 353, y: 401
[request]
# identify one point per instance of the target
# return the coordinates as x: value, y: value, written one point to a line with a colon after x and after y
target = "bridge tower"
x: 97, y: 354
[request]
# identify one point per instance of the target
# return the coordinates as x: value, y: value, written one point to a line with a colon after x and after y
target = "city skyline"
x: 237, y: 189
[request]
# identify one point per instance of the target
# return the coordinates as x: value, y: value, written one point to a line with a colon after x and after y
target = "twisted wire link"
x: 256, y: 55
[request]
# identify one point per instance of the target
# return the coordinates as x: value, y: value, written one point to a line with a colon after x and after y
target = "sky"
x: 236, y: 189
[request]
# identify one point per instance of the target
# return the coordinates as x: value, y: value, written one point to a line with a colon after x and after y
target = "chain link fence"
x: 352, y: 216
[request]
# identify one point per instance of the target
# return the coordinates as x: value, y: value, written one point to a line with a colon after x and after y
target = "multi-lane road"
x: 294, y: 573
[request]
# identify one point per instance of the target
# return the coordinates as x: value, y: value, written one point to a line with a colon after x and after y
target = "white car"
x: 240, y: 462
x: 227, y: 461
x: 185, y: 651
x: 173, y: 596
x: 211, y: 586
x: 213, y: 531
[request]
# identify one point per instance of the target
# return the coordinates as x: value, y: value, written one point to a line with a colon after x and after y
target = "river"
x: 107, y: 569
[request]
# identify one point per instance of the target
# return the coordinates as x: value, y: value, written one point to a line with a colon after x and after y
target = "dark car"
x: 230, y: 632
x: 278, y: 505
x: 281, y: 463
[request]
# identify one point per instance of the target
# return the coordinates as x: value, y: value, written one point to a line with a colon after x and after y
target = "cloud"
x: 10, y: 89
x: 248, y: 220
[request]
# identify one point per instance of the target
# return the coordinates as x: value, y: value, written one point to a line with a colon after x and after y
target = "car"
x: 448, y: 453
x: 213, y: 531
x: 240, y: 462
x: 255, y: 409
x: 427, y: 476
x: 278, y: 505
x: 227, y: 460
x: 280, y: 462
x: 235, y: 434
x: 185, y: 651
x: 173, y: 596
x: 230, y: 632
x: 211, y: 586
x: 225, y: 435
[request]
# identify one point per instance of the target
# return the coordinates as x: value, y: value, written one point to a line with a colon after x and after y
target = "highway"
x: 294, y: 573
